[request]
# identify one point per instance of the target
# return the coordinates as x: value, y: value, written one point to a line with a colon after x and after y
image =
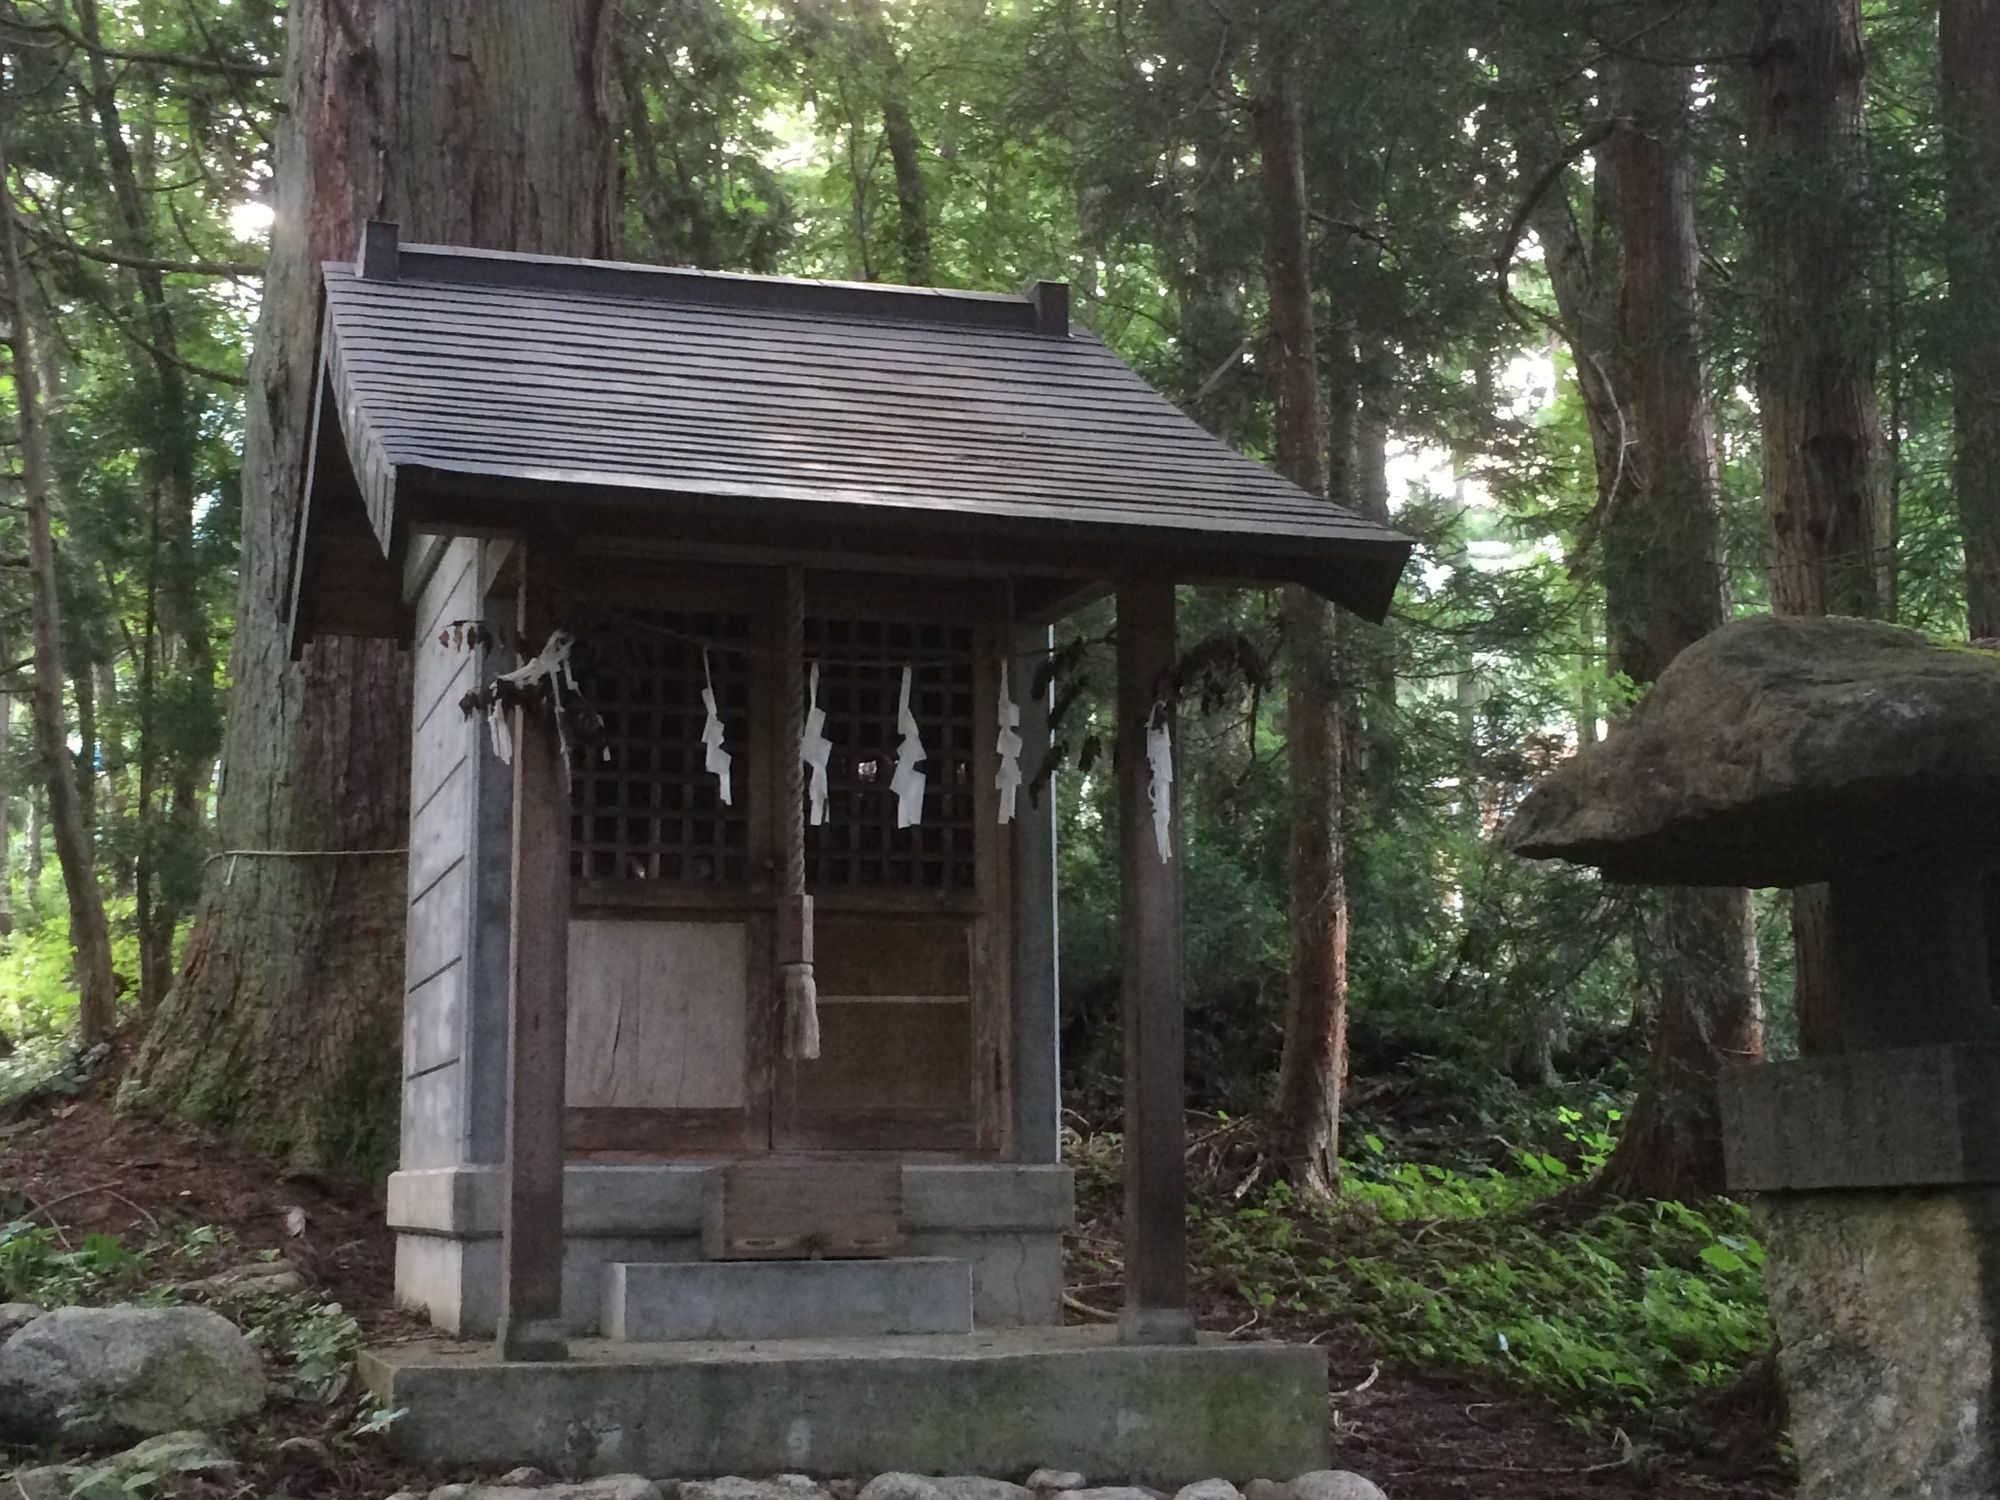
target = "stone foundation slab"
x: 998, y: 1403
x: 1003, y: 1220
x: 780, y: 1299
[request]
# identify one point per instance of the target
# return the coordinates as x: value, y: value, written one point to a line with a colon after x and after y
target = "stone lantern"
x: 1782, y: 752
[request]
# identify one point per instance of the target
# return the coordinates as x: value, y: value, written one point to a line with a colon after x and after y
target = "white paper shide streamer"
x: 716, y: 759
x: 1160, y: 779
x: 814, y: 750
x: 550, y: 663
x: 1007, y: 780
x: 908, y: 782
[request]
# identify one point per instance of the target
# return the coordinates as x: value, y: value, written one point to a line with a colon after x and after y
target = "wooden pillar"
x: 1150, y: 996
x: 531, y: 1225
x: 1032, y: 870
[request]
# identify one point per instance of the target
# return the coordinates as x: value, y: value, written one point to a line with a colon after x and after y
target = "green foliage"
x: 313, y: 1340
x: 1494, y: 1269
x: 39, y: 1264
x: 1640, y: 1307
x: 38, y: 995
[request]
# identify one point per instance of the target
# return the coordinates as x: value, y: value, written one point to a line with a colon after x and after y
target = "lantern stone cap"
x: 1780, y: 751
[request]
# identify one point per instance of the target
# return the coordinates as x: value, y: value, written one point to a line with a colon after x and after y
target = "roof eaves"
x: 1043, y: 309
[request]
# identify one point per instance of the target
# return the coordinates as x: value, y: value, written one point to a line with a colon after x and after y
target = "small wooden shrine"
x: 730, y: 1050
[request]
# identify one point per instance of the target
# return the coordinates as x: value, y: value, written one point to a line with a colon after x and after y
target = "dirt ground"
x: 83, y: 1167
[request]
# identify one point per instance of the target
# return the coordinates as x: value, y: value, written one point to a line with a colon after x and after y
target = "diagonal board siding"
x: 441, y: 777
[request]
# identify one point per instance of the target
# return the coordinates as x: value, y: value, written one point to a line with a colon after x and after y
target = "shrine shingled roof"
x: 477, y: 390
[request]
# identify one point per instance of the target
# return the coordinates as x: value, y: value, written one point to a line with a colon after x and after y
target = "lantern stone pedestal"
x: 1784, y: 752
x: 1876, y: 1182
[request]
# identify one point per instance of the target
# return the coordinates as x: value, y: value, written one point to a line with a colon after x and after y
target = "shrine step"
x: 666, y: 1301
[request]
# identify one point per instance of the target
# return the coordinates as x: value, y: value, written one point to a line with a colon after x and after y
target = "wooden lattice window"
x: 861, y: 670
x: 642, y: 806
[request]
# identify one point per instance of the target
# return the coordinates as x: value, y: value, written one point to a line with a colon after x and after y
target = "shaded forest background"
x: 1634, y: 314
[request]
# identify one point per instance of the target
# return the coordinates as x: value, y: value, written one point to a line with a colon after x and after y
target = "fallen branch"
x: 1077, y: 1304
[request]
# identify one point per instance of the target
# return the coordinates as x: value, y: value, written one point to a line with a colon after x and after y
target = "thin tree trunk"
x: 90, y: 937
x: 899, y: 133
x: 1810, y: 219
x: 83, y: 689
x: 471, y: 122
x: 169, y: 472
x: 1314, y: 1063
x: 6, y: 810
x: 1372, y: 770
x: 1969, y: 48
x: 38, y: 831
x: 1663, y: 591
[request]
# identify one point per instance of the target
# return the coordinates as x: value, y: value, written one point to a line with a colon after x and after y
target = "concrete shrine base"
x: 1000, y: 1402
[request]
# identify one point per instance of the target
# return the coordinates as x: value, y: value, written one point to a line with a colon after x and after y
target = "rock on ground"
x: 892, y: 1486
x: 1208, y: 1489
x: 1112, y: 1492
x: 1266, y: 1489
x: 1335, y: 1484
x: 86, y: 1376
x: 15, y: 1316
x: 192, y: 1454
x: 735, y: 1487
x: 1056, y: 1479
x: 1778, y: 752
x: 610, y: 1487
x: 972, y: 1487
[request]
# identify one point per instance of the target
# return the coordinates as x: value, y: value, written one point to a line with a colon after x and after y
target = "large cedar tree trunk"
x: 476, y: 122
x: 1969, y: 44
x: 1824, y: 492
x: 1314, y: 1063
x: 1663, y: 592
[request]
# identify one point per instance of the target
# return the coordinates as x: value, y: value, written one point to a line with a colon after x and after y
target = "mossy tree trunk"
x: 476, y: 122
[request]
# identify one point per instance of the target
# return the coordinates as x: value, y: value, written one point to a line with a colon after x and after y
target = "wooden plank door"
x: 668, y: 1048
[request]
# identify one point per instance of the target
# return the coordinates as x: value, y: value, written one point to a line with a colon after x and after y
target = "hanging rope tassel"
x: 795, y: 914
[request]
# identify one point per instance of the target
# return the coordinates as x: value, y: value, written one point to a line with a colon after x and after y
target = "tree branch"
x: 1503, y: 258
x: 185, y: 61
x: 235, y: 269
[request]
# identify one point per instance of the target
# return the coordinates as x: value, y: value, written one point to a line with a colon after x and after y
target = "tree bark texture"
x: 90, y: 936
x: 1824, y: 492
x: 1969, y: 47
x: 1314, y: 1061
x: 1663, y: 591
x: 1825, y: 495
x: 473, y: 122
x: 1704, y: 949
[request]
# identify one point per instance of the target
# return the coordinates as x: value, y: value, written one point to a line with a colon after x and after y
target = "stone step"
x: 666, y: 1301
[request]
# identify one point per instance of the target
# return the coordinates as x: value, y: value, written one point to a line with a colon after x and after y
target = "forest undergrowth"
x: 1488, y: 1257
x: 1488, y: 1336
